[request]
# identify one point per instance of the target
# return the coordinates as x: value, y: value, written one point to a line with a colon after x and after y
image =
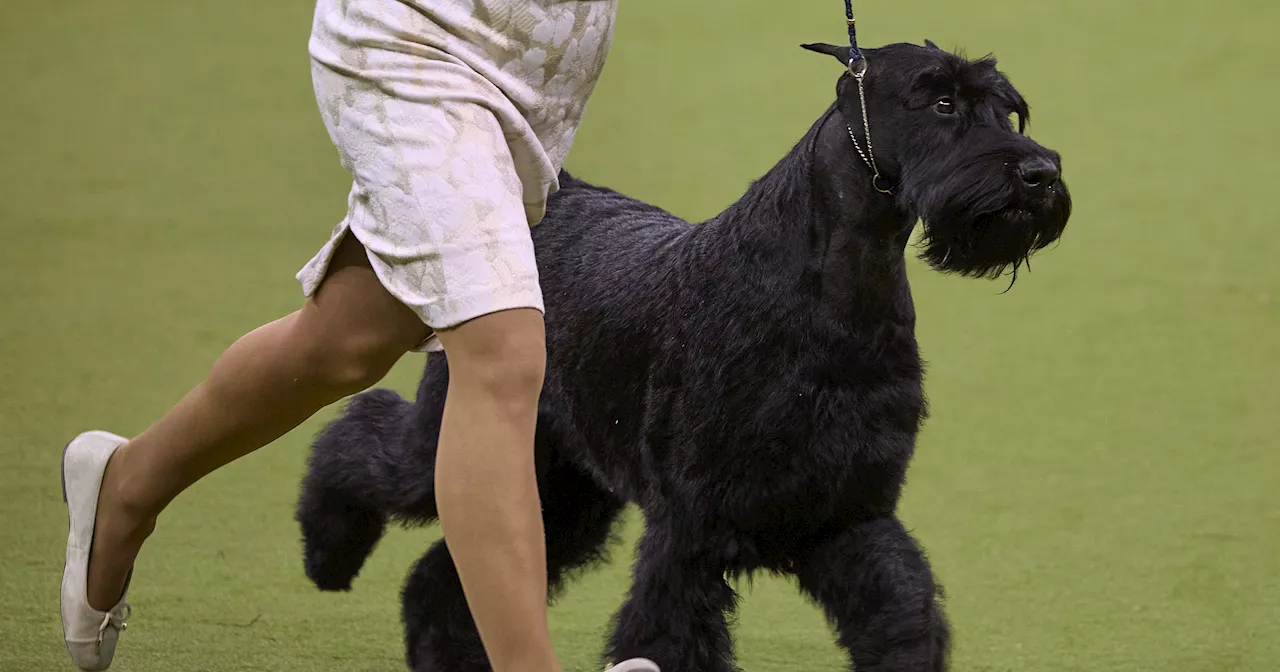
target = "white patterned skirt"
x: 454, y: 118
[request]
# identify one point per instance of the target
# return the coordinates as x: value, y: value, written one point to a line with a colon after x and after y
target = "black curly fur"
x: 752, y: 383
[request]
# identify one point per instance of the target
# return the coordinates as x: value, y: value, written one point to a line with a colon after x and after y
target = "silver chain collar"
x: 859, y: 70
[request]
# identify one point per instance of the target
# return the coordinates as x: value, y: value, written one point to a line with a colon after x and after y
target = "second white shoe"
x: 634, y: 665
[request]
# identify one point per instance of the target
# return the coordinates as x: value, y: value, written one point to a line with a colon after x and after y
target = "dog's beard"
x: 984, y: 226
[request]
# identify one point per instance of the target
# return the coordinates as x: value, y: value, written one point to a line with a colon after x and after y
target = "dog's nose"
x: 1038, y: 172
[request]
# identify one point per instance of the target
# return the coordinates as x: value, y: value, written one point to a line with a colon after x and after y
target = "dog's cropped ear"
x: 931, y: 45
x: 840, y: 53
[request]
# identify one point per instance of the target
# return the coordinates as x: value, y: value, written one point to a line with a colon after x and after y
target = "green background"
x: 1096, y: 487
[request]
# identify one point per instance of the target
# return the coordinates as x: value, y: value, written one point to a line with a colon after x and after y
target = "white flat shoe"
x: 91, y: 634
x: 634, y: 665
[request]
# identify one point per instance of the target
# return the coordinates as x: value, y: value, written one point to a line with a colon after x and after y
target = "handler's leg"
x: 343, y: 340
x: 486, y: 488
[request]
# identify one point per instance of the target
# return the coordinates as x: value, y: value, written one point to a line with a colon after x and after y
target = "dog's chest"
x: 796, y: 429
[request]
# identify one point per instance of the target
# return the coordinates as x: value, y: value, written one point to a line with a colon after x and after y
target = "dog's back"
x: 593, y: 234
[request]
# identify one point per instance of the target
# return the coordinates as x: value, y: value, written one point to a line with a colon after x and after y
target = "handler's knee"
x: 353, y: 330
x: 501, y: 356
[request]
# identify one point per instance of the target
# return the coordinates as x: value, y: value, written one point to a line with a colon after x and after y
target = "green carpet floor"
x: 1097, y: 486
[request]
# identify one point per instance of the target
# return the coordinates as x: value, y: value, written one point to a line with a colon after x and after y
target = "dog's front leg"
x: 876, y: 587
x: 676, y: 612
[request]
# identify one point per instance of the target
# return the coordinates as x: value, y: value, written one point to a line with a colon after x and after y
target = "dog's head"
x: 948, y: 137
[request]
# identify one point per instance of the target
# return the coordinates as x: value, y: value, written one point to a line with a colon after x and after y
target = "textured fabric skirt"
x: 454, y: 118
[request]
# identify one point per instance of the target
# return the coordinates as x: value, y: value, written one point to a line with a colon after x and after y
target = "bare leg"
x: 486, y: 488
x: 343, y: 340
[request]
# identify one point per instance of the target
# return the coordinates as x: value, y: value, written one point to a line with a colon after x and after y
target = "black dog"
x: 752, y: 383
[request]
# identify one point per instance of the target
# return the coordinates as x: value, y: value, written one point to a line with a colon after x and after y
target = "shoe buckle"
x: 116, y: 618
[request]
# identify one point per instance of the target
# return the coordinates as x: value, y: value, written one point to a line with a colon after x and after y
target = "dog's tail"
x: 375, y: 463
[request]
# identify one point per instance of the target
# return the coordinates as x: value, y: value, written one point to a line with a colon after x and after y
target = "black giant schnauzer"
x: 752, y: 383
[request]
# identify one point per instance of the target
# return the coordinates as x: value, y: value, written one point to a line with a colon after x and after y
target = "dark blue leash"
x: 855, y: 54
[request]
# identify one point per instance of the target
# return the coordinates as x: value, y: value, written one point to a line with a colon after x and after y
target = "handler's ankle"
x: 525, y: 657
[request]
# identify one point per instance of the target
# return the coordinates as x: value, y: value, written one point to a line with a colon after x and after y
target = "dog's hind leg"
x: 440, y: 635
x: 676, y: 614
x: 876, y: 587
x: 374, y: 463
x: 578, y: 516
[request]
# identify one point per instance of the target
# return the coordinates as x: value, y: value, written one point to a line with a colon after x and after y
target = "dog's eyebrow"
x: 934, y: 79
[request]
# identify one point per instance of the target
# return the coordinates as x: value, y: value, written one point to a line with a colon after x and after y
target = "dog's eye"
x: 945, y: 106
